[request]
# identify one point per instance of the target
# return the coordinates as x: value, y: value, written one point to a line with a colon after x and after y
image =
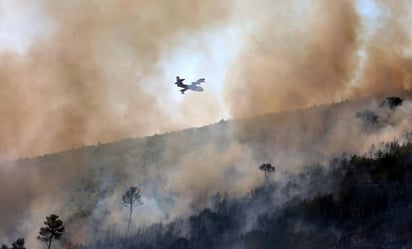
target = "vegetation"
x: 18, y: 244
x: 367, y: 206
x: 356, y: 201
x: 130, y: 199
x: 268, y: 169
x: 52, y: 231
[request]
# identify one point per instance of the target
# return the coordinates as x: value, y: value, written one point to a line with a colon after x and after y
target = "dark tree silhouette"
x: 392, y: 102
x: 130, y: 199
x: 268, y: 169
x: 18, y: 244
x: 368, y: 117
x: 52, y: 231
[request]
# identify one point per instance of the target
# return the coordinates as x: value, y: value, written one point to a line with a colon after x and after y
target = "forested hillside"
x: 340, y: 179
x: 355, y: 202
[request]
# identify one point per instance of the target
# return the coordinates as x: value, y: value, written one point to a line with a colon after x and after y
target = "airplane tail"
x: 179, y: 80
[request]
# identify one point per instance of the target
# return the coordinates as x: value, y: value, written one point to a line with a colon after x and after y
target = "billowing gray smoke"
x: 74, y: 87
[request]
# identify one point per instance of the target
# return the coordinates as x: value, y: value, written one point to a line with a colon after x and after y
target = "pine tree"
x: 53, y: 231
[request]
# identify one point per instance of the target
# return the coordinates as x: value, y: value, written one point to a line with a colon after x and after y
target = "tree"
x: 130, y: 199
x: 52, y: 231
x: 268, y: 169
x: 18, y: 244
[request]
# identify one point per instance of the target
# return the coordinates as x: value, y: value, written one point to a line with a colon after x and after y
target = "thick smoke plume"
x: 295, y: 60
x: 388, y: 62
x: 74, y: 87
x: 302, y: 53
x: 78, y: 86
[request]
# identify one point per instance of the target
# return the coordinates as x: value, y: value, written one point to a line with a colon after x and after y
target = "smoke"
x: 93, y: 75
x: 78, y: 85
x: 317, y: 53
x: 296, y: 60
x: 388, y: 61
x: 32, y: 190
x: 297, y: 54
x: 178, y: 172
x: 74, y: 87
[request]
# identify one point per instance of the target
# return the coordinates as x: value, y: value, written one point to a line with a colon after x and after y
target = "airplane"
x: 194, y: 86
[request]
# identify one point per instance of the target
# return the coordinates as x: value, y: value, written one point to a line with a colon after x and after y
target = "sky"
x: 80, y: 73
x: 202, y: 54
x: 75, y: 73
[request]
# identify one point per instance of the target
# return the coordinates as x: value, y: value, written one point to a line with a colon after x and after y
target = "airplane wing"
x: 201, y: 80
x: 179, y: 84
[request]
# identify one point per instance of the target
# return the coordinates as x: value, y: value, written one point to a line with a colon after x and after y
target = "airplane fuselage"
x: 194, y: 86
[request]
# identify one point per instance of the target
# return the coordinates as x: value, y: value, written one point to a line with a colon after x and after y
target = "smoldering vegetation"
x: 354, y: 202
x: 180, y: 174
x: 76, y: 86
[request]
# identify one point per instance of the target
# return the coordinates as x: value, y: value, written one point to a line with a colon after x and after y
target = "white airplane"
x: 194, y: 86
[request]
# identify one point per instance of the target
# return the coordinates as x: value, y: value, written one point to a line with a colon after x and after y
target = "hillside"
x: 365, y: 202
x: 179, y: 172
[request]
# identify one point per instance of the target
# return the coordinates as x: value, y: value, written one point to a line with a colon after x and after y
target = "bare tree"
x: 268, y: 169
x: 52, y: 231
x: 130, y: 199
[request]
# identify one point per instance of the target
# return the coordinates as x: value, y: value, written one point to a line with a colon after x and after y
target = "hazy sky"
x: 83, y: 72
x: 78, y: 72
